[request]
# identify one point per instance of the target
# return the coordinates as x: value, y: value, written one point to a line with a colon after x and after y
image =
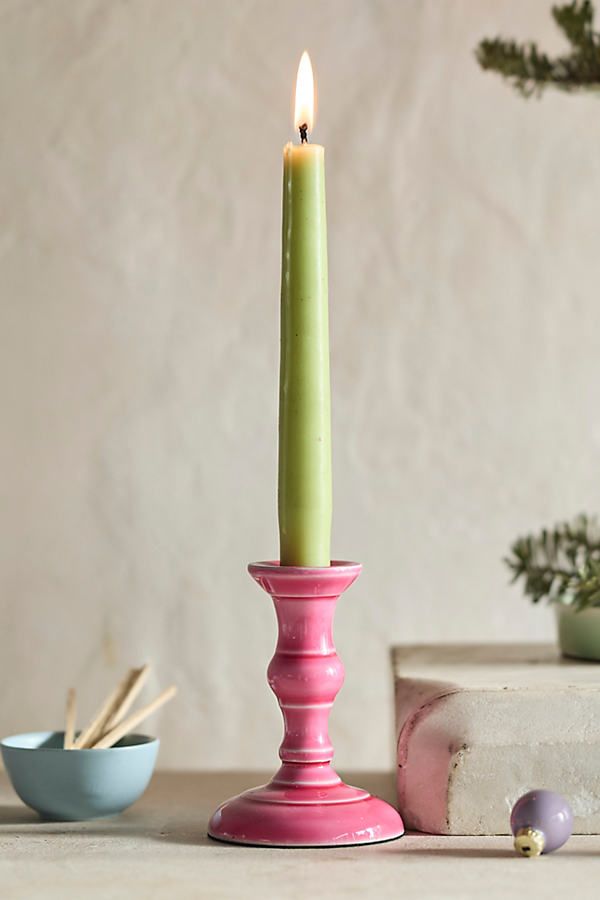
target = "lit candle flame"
x: 304, y: 114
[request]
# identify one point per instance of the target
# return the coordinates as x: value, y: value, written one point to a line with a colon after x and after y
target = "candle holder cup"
x: 306, y: 804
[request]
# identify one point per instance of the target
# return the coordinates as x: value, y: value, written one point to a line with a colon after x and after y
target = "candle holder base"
x: 278, y: 816
x: 306, y: 804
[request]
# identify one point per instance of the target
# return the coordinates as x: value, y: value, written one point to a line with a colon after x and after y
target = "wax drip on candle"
x: 303, y: 129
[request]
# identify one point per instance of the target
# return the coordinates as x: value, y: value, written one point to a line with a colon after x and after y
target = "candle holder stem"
x: 306, y: 804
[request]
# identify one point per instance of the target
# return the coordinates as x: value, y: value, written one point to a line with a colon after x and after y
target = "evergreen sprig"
x: 561, y: 565
x: 530, y: 70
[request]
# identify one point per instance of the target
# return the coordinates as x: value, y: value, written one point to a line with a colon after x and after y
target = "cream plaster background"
x: 140, y: 156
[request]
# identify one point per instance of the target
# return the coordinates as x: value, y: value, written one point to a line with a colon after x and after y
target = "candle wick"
x: 303, y: 129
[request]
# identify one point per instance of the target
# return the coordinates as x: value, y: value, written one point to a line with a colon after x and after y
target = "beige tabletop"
x: 159, y: 848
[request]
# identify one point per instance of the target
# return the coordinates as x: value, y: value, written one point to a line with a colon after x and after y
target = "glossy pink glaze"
x: 306, y: 804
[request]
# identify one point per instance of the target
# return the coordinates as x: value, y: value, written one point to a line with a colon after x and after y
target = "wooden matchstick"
x: 134, y: 720
x: 70, y: 719
x: 96, y: 727
x: 136, y: 683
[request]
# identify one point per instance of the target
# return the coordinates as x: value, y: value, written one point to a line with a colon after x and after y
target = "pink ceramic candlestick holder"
x: 306, y: 804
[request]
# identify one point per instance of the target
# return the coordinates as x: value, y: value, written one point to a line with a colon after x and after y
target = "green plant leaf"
x: 561, y: 565
x: 530, y: 70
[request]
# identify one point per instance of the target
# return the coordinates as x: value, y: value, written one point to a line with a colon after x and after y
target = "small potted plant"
x: 562, y: 566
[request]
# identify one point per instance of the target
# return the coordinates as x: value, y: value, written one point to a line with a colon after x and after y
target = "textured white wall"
x: 140, y: 159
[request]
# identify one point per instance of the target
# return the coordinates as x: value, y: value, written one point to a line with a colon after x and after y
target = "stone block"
x: 478, y: 725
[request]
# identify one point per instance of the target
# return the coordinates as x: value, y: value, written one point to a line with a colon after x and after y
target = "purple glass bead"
x: 543, y: 816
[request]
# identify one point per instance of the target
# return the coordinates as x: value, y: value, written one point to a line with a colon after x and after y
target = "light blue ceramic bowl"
x: 78, y: 784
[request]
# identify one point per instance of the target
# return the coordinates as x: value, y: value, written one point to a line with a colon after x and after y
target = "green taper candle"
x: 304, y: 496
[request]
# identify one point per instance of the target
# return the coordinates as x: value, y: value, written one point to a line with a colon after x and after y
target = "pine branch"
x: 530, y: 70
x: 560, y: 565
